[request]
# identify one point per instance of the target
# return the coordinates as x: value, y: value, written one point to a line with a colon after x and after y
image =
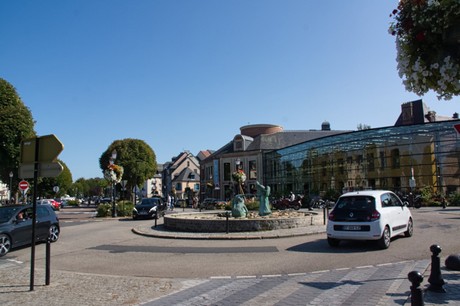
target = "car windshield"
x: 355, y: 203
x: 7, y: 212
x: 150, y: 201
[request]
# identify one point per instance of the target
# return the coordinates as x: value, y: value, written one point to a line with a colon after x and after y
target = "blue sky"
x: 187, y: 74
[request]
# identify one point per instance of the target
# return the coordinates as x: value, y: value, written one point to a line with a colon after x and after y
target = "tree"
x: 361, y: 127
x: 16, y: 124
x: 135, y: 156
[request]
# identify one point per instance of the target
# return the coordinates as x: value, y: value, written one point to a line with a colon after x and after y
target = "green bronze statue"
x: 239, y: 210
x: 264, y: 203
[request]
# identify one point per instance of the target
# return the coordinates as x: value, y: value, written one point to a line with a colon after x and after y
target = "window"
x: 227, y: 172
x: 196, y: 187
x: 179, y: 186
x: 370, y: 162
x: 395, y: 163
x: 382, y: 160
x: 252, y: 170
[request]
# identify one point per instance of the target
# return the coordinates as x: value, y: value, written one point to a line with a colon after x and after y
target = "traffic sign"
x: 44, y: 170
x: 49, y: 149
x: 457, y: 127
x: 23, y: 185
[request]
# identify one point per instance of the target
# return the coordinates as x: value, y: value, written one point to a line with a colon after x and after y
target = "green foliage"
x: 63, y: 181
x: 454, y: 199
x: 104, y: 210
x: 124, y: 209
x: 16, y: 124
x: 135, y: 156
x: 252, y: 205
x: 72, y: 203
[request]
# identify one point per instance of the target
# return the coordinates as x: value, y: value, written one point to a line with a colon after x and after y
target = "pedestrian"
x: 168, y: 202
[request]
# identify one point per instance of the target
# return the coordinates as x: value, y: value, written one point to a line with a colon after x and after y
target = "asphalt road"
x: 108, y: 247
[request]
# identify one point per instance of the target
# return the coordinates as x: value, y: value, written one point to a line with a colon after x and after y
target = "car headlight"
x: 134, y: 209
x: 153, y: 209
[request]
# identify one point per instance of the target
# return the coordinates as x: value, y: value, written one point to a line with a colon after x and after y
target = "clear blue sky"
x: 187, y: 74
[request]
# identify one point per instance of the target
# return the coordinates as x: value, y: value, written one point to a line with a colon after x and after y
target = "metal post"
x: 48, y: 261
x: 435, y: 279
x: 227, y: 214
x: 416, y: 293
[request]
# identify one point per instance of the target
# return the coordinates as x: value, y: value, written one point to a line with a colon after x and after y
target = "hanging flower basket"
x: 239, y: 176
x: 428, y: 45
x: 113, y: 173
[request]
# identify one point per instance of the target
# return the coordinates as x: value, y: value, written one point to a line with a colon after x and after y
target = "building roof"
x: 288, y: 138
x: 187, y: 175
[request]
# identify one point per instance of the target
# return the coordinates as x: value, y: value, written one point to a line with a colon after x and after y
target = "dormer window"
x: 239, y: 145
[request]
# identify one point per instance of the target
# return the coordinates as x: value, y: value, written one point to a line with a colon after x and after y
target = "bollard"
x: 324, y: 215
x: 435, y: 279
x: 48, y: 261
x: 416, y: 293
x: 227, y: 214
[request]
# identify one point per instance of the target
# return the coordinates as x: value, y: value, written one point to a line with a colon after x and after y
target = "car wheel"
x: 333, y: 242
x: 297, y: 207
x: 410, y: 229
x: 54, y: 233
x: 5, y: 244
x: 384, y: 241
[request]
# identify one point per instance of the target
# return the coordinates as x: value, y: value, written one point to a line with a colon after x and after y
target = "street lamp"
x: 11, y: 184
x: 114, y: 207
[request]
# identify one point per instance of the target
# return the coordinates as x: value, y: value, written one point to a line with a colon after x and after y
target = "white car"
x: 369, y: 215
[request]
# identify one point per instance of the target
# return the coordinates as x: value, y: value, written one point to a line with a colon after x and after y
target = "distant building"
x: 180, y: 175
x: 245, y: 152
x: 422, y: 149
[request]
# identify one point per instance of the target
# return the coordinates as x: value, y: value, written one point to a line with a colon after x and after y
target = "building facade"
x: 422, y: 149
x: 401, y: 158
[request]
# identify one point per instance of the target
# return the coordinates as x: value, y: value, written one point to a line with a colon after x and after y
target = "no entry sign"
x: 23, y: 185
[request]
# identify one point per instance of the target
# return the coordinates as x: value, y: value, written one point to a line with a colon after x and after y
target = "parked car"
x: 369, y: 215
x: 54, y: 204
x: 16, y: 226
x: 149, y: 208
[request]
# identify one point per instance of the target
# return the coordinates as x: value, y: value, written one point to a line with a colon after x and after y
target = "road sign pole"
x: 34, y: 215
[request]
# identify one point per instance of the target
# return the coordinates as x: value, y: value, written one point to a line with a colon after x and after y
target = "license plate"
x: 142, y: 213
x: 352, y: 227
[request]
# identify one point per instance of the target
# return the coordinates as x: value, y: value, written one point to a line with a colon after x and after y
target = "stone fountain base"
x: 216, y: 222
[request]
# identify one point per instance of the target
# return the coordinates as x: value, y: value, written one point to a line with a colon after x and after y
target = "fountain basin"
x: 216, y: 222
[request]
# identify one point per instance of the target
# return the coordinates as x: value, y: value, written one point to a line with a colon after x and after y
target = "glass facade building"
x: 399, y: 158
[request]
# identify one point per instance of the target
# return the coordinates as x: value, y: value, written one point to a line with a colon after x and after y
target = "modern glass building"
x: 399, y: 158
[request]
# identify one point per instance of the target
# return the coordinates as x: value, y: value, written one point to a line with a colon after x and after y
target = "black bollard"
x: 48, y: 261
x: 416, y: 293
x: 227, y: 214
x: 435, y: 279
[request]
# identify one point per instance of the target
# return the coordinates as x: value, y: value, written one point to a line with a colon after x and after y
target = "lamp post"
x: 114, y: 207
x: 11, y: 184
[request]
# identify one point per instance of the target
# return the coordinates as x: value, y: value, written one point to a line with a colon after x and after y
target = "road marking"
x: 271, y: 275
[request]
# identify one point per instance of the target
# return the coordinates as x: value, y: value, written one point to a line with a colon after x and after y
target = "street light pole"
x: 114, y: 206
x: 11, y: 185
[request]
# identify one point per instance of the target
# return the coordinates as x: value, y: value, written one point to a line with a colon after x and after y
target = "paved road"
x: 356, y: 284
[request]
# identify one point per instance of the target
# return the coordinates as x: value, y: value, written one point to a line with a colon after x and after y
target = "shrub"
x: 124, y: 209
x: 72, y: 203
x: 104, y: 210
x: 454, y: 199
x: 253, y: 205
